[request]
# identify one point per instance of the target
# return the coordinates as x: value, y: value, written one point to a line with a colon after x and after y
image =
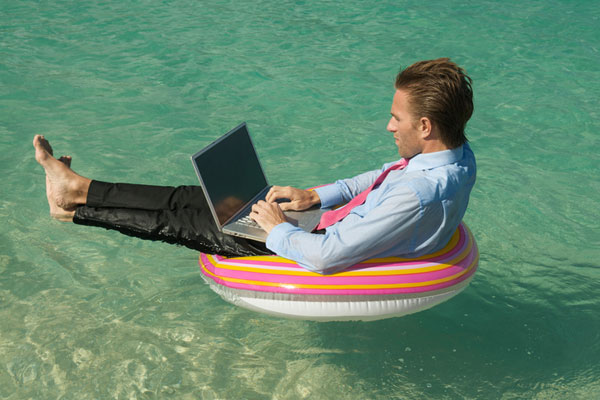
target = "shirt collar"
x: 434, y: 160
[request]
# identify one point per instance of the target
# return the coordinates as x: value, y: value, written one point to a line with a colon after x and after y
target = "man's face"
x: 404, y: 127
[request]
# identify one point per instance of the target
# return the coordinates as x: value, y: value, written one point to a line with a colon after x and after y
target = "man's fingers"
x: 258, y: 205
x: 270, y: 193
x: 256, y: 209
x: 291, y: 198
x: 288, y: 205
x: 278, y: 192
x: 267, y: 215
x: 263, y: 206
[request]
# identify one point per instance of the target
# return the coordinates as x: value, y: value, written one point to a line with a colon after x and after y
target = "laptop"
x: 232, y: 179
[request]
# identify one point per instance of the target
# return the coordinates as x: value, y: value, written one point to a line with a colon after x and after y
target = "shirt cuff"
x: 330, y: 195
x: 276, y: 239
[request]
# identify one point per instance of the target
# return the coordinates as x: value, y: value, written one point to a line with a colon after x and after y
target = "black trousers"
x: 177, y: 215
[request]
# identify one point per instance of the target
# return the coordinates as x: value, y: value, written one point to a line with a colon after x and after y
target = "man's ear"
x: 425, y: 127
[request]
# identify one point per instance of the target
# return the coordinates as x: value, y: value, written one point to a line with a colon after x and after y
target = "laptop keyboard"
x: 246, y: 220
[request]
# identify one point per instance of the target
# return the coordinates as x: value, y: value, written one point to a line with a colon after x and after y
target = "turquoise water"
x: 131, y: 88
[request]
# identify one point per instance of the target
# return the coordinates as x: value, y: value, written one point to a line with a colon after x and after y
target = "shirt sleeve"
x: 344, y: 190
x: 390, y: 224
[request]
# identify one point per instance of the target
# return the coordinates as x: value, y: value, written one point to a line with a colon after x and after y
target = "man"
x: 408, y: 208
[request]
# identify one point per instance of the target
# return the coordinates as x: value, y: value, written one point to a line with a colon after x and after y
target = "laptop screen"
x: 231, y: 172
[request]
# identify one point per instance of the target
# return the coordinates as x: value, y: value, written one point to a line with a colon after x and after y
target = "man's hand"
x: 267, y: 215
x: 298, y: 199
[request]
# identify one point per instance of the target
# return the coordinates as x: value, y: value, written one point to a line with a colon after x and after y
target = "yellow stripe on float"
x: 392, y: 272
x: 343, y: 287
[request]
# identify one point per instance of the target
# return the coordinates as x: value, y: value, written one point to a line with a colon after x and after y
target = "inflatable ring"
x: 373, y: 289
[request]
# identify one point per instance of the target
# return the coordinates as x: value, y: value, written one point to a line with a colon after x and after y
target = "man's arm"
x: 336, y: 193
x: 363, y: 234
x: 268, y: 214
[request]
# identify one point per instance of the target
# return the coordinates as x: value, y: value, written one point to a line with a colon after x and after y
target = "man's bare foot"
x: 55, y: 211
x: 64, y: 188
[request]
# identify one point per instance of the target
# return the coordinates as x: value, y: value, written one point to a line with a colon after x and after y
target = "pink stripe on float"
x: 338, y: 280
x: 315, y: 279
x: 288, y: 283
x: 291, y: 289
x: 346, y: 292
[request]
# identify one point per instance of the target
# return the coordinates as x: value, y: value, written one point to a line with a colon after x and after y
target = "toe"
x: 65, y: 160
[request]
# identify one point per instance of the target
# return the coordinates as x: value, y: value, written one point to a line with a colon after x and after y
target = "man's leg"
x: 175, y: 215
x: 144, y: 197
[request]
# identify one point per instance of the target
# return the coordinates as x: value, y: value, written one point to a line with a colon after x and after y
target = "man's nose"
x: 391, y: 127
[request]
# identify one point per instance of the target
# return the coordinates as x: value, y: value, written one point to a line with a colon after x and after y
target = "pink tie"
x: 331, y: 217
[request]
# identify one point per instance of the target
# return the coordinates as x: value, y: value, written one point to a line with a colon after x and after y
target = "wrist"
x: 271, y: 226
x: 315, y: 199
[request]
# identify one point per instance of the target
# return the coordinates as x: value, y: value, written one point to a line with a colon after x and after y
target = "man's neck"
x: 432, y: 146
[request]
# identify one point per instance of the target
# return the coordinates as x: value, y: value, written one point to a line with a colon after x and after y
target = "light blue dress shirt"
x: 413, y: 212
